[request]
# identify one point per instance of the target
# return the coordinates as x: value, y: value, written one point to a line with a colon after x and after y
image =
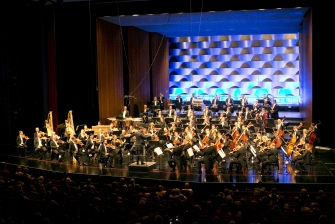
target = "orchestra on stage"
x: 222, y: 135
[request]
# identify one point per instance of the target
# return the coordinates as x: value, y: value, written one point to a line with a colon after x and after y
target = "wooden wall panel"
x: 110, y: 70
x: 138, y: 62
x: 160, y: 67
x: 306, y: 72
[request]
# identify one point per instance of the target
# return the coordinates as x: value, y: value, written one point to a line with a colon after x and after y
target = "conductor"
x: 138, y: 149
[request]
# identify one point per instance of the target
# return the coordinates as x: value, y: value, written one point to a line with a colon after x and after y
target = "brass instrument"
x: 49, y: 124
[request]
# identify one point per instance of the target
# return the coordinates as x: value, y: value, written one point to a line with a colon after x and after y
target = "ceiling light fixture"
x: 136, y: 15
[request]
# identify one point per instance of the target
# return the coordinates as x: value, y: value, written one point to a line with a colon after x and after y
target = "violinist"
x: 189, y: 111
x: 100, y: 136
x: 82, y: 135
x: 238, y: 157
x: 21, y: 141
x: 74, y: 149
x: 208, y: 153
x: 176, y: 156
x: 86, y: 128
x: 167, y: 133
x: 191, y: 118
x: 115, y: 156
x: 40, y: 146
x: 261, y: 146
x: 228, y: 114
x: 173, y: 128
x: 206, y: 122
x: 247, y: 114
x: 37, y: 130
x: 170, y: 111
x: 207, y: 112
x: 56, y: 151
x: 255, y: 107
x: 111, y: 129
x: 103, y: 154
x: 224, y: 123
x: 271, y: 156
x: 90, y: 149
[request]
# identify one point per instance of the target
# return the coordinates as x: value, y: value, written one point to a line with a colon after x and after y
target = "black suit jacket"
x: 89, y: 143
x: 208, y: 113
x: 72, y: 147
x: 147, y: 110
x: 36, y: 142
x: 248, y: 115
x: 127, y: 113
x: 231, y: 101
x: 153, y: 103
x: 53, y: 145
x: 18, y: 140
x: 178, y: 104
x: 172, y: 112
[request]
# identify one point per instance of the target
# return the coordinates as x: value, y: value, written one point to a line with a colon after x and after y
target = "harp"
x: 49, y: 124
x: 70, y: 124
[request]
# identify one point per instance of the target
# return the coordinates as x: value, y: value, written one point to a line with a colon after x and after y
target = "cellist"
x: 313, y: 134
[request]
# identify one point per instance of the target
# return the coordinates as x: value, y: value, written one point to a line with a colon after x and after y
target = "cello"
x: 312, y: 136
x: 292, y: 141
x: 278, y: 135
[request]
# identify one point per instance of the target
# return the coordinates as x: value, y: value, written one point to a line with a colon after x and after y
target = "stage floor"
x: 320, y: 172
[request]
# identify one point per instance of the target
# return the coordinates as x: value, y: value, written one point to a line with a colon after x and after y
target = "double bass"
x: 278, y: 135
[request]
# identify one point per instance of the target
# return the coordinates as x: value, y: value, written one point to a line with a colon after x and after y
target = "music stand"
x: 157, y: 107
x: 120, y: 118
x: 253, y: 121
x: 184, y: 121
x: 179, y: 130
x: 168, y: 120
x: 154, y: 143
x: 89, y: 133
x: 200, y: 120
x: 200, y: 126
x: 163, y: 137
x: 117, y: 133
x: 182, y: 115
x: 155, y: 119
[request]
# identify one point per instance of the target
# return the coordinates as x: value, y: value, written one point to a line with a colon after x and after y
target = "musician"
x: 192, y: 97
x: 224, y: 123
x: 115, y: 155
x: 161, y: 99
x: 37, y: 131
x: 207, y: 112
x: 228, y: 114
x: 21, y: 141
x: 274, y: 110
x: 140, y: 137
x: 267, y: 99
x: 86, y: 128
x: 305, y: 136
x: 262, y: 146
x: 170, y: 111
x: 267, y: 106
x: 207, y: 157
x: 100, y: 136
x: 90, y: 149
x: 243, y: 103
x: 179, y: 102
x: 161, y: 122
x: 174, y: 116
x: 144, y: 116
x: 82, y: 135
x: 75, y: 152
x: 56, y: 151
x: 189, y: 110
x: 313, y: 136
x: 206, y: 122
x: 155, y: 103
x: 229, y: 102
x: 103, y: 154
x: 272, y: 157
x: 303, y: 158
x: 264, y: 114
x: 192, y: 118
x: 247, y: 114
x: 125, y: 113
x: 175, y: 136
x: 256, y: 107
x: 176, y: 155
x: 215, y: 103
x: 238, y: 157
x: 240, y: 117
x: 110, y: 130
x: 40, y: 146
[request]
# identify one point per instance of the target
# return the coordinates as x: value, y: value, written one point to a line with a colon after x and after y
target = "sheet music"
x: 169, y: 145
x: 158, y: 151
x: 222, y: 154
x: 196, y: 148
x: 190, y: 152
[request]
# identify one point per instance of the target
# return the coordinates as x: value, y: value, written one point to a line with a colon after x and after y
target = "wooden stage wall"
x: 306, y: 68
x: 110, y: 70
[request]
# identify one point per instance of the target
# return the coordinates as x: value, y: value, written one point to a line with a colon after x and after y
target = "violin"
x: 25, y: 137
x: 78, y: 142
